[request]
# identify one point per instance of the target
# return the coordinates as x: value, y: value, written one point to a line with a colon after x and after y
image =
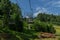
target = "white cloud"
x: 35, y: 14
x: 54, y: 3
x: 27, y: 16
x: 40, y: 10
x: 46, y: 10
x: 58, y: 2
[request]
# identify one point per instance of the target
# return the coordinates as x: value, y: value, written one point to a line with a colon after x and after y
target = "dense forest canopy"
x: 50, y: 18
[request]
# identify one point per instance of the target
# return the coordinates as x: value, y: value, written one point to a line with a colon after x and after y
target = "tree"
x: 43, y: 27
x: 11, y: 15
x: 5, y: 11
x: 50, y: 18
x: 16, y: 18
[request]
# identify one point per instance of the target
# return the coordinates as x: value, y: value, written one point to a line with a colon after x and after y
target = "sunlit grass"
x: 57, y: 30
x: 57, y: 33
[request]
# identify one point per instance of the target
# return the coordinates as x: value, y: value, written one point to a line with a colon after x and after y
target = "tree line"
x: 50, y: 18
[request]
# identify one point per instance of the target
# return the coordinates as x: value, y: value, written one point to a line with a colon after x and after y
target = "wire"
x: 31, y: 15
x: 31, y: 9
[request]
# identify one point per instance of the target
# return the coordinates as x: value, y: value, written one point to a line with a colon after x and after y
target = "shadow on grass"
x: 25, y: 35
x: 28, y: 34
x: 7, y: 36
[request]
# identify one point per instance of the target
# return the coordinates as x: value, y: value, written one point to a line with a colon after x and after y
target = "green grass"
x: 57, y: 29
x: 57, y: 33
x: 31, y: 34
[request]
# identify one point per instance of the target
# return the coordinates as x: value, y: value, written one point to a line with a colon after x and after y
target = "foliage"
x: 50, y: 18
x: 44, y: 27
x: 16, y: 18
x: 11, y: 15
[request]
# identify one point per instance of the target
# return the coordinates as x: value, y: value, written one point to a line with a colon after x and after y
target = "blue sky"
x: 38, y: 6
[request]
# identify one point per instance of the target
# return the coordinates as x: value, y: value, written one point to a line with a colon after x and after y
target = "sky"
x: 39, y: 6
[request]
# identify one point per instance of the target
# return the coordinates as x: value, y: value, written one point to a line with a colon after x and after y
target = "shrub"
x: 44, y: 27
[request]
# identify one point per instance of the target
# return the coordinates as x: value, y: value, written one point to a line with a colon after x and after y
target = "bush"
x: 44, y: 27
x: 50, y: 28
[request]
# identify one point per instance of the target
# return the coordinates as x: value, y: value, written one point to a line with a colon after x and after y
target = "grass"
x: 57, y: 30
x: 47, y: 39
x: 32, y: 35
x: 57, y: 33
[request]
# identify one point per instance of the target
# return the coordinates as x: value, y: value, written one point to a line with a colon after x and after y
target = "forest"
x: 54, y: 19
x: 13, y: 26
